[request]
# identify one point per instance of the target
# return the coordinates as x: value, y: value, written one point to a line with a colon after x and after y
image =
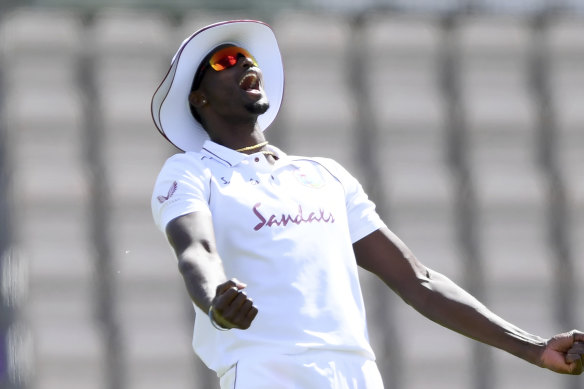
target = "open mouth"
x: 250, y: 82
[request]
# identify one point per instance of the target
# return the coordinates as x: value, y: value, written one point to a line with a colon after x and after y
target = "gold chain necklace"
x: 259, y: 145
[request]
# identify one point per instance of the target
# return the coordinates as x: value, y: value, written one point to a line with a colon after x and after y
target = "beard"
x: 258, y: 107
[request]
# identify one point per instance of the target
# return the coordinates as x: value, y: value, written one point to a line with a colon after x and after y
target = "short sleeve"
x: 361, y: 213
x: 182, y: 187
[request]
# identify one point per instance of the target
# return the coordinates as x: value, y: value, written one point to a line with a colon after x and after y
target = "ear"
x: 197, y: 99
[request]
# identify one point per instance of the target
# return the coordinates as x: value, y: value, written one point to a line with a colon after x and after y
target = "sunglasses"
x: 227, y: 57
x: 220, y: 60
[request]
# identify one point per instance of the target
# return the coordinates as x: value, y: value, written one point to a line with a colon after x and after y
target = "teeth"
x: 249, y: 81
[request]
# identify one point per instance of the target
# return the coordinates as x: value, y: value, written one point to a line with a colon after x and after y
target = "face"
x: 235, y: 91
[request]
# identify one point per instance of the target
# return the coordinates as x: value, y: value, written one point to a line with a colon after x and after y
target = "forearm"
x: 192, y: 238
x: 202, y: 273
x: 442, y: 301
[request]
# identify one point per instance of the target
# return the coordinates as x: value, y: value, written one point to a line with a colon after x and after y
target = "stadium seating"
x: 510, y: 188
x: 564, y: 44
x: 44, y: 117
x: 318, y: 108
x: 565, y: 57
x: 498, y: 108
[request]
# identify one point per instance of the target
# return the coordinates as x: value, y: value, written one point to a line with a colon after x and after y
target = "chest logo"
x: 312, y: 179
x: 283, y: 220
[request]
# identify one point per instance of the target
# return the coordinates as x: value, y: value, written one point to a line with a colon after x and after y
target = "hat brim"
x: 170, y: 107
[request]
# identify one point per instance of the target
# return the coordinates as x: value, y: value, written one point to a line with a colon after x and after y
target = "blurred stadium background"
x: 464, y: 120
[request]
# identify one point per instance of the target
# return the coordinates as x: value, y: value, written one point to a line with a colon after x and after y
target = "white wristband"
x: 213, y: 322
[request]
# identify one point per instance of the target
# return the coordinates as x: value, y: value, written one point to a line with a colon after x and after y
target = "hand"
x: 231, y: 306
x: 562, y: 351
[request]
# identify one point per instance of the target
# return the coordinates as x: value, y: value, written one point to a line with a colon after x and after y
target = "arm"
x: 193, y: 240
x: 442, y: 301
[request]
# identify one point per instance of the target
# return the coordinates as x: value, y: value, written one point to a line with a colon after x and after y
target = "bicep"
x: 385, y: 255
x: 191, y: 231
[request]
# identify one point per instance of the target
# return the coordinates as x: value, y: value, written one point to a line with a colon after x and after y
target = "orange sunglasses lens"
x: 227, y: 57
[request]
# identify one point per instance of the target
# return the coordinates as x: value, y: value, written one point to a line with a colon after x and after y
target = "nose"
x: 247, y: 62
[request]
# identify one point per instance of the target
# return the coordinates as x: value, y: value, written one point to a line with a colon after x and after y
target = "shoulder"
x: 328, y: 165
x: 189, y: 158
x: 182, y: 187
x: 184, y: 164
x: 324, y: 162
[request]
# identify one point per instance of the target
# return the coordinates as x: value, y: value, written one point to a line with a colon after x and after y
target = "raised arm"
x: 441, y: 300
x: 193, y: 240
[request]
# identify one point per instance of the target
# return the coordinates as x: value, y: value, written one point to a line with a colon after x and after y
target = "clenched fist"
x: 231, y: 307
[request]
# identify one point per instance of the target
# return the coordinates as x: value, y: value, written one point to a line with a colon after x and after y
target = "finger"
x: 570, y: 357
x: 562, y: 342
x: 222, y: 288
x: 235, y: 305
x: 249, y: 317
x: 241, y: 314
x: 240, y: 299
x: 576, y: 366
x: 252, y: 313
x: 575, y: 353
x: 577, y: 336
x: 240, y: 285
x: 227, y: 304
x: 222, y: 302
x: 577, y: 348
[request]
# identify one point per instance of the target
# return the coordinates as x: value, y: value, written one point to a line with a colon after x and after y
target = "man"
x: 269, y: 244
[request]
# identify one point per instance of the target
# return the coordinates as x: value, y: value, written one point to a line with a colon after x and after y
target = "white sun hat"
x: 170, y: 107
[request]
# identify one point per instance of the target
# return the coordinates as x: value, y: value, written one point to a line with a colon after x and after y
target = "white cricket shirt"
x: 284, y: 229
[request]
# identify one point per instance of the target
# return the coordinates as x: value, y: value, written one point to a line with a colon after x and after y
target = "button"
x: 256, y: 159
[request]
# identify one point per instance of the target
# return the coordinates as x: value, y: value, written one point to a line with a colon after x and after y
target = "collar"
x: 230, y: 157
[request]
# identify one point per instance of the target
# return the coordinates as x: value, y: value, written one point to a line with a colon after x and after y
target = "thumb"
x: 232, y: 283
x: 238, y: 284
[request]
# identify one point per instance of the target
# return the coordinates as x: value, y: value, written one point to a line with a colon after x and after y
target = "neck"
x: 235, y: 132
x: 246, y: 143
